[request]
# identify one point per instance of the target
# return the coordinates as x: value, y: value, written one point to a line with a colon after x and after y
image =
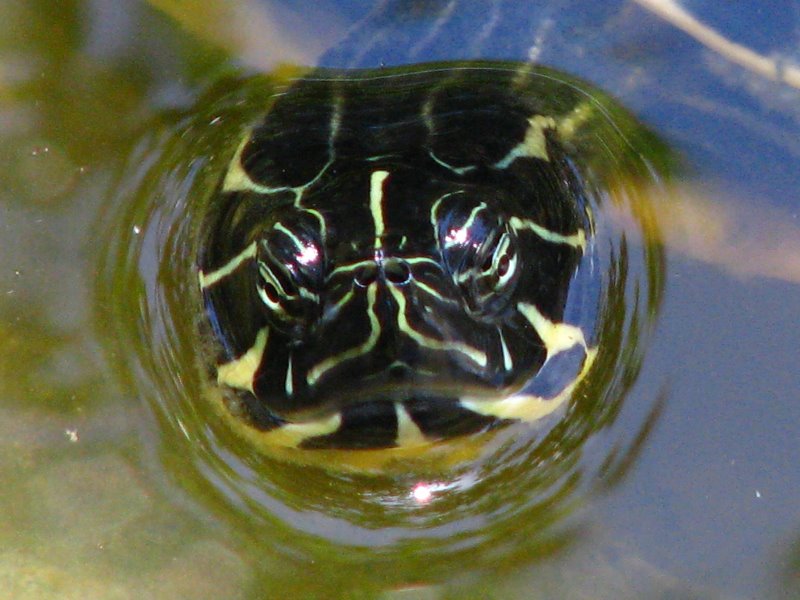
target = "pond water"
x: 678, y: 477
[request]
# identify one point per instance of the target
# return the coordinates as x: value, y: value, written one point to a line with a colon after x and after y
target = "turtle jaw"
x: 387, y: 413
x: 432, y: 380
x: 338, y: 393
x: 413, y: 418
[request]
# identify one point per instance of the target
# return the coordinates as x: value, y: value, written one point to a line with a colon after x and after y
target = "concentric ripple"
x: 481, y: 500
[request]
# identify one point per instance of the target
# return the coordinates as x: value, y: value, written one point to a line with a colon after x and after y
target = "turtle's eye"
x: 479, y: 251
x: 497, y: 258
x: 291, y: 268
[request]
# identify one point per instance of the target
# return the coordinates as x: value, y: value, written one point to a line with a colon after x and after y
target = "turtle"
x: 389, y: 256
x: 394, y: 255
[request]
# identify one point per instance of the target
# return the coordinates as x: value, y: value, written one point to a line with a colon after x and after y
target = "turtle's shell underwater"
x: 389, y: 255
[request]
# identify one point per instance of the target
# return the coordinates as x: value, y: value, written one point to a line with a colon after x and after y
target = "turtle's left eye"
x: 480, y: 252
x: 498, y: 261
x: 291, y: 270
x: 488, y: 273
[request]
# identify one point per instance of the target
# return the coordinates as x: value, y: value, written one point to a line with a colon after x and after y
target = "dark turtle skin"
x: 388, y: 257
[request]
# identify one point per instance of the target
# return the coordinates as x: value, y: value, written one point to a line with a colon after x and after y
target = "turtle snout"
x: 392, y: 270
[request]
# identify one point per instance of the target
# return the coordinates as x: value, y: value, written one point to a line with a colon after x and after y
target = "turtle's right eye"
x: 291, y: 267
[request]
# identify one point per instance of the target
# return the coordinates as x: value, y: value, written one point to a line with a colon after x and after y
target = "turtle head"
x: 394, y: 284
x: 377, y: 260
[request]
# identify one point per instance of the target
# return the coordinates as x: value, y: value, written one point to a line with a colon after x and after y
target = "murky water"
x: 672, y: 471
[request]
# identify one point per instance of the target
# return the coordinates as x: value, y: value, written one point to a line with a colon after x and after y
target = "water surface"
x: 688, y: 487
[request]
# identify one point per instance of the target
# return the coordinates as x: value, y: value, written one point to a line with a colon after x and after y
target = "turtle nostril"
x: 366, y: 275
x: 396, y: 271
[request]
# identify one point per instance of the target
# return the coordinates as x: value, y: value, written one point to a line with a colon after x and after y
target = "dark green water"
x: 675, y: 475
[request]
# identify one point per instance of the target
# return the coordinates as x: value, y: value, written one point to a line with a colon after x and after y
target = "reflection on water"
x: 508, y: 496
x: 103, y: 408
